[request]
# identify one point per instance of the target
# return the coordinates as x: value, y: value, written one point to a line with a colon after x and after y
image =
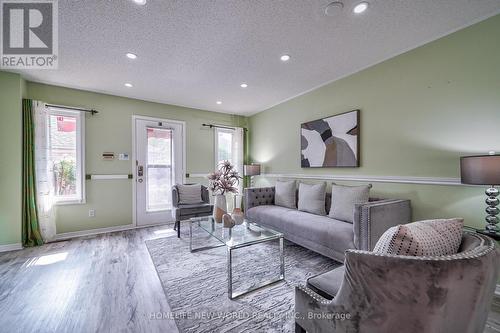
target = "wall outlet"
x: 91, y: 212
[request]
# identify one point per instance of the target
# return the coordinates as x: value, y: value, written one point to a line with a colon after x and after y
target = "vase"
x: 237, y: 213
x: 220, y: 207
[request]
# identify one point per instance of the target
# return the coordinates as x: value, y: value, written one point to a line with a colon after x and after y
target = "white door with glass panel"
x: 159, y: 164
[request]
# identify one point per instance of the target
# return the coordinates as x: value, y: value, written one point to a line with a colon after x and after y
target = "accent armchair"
x: 183, y: 212
x: 380, y: 293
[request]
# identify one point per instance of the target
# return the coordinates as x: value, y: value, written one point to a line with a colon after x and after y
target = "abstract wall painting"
x: 331, y: 142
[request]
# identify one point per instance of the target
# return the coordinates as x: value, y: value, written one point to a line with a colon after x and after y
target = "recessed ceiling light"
x: 360, y: 7
x: 334, y: 8
x: 243, y: 85
x: 131, y: 55
x: 140, y: 2
x: 219, y: 102
x: 128, y: 85
x: 285, y: 57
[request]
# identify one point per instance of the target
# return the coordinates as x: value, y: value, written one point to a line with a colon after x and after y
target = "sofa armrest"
x: 257, y: 196
x: 205, y: 194
x: 175, y: 196
x: 372, y: 219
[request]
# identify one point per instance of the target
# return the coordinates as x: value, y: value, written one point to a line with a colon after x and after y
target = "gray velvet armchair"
x: 378, y: 293
x: 183, y: 212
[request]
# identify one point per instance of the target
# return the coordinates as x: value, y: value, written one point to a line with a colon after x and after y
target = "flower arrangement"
x: 224, y: 180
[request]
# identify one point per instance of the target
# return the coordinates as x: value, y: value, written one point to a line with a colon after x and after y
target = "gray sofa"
x: 323, y: 234
x: 380, y: 293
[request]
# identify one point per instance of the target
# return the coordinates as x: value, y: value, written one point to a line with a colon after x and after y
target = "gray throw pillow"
x: 189, y: 194
x: 285, y: 194
x: 344, y: 198
x: 312, y: 198
x: 424, y: 238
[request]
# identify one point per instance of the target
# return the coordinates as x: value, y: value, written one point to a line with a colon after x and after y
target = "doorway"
x: 159, y: 159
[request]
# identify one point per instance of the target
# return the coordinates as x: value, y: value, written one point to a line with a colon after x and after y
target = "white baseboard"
x: 90, y: 232
x: 11, y: 247
x: 497, y: 290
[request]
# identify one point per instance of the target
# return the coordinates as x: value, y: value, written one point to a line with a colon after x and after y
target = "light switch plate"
x: 123, y: 157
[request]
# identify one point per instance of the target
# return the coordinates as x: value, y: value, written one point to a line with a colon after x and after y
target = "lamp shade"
x: 251, y: 170
x: 480, y: 170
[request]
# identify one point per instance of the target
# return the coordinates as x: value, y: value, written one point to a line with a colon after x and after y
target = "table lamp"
x: 251, y: 170
x: 484, y: 170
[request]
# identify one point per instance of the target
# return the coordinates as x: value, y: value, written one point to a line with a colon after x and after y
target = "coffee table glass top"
x: 240, y: 235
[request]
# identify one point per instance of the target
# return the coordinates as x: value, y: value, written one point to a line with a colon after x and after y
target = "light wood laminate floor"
x: 103, y: 283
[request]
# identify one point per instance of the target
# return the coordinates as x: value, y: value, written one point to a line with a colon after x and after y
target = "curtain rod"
x: 92, y: 111
x: 218, y: 126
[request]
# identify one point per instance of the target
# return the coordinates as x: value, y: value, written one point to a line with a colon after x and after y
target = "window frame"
x: 217, y: 131
x: 237, y: 161
x: 80, y: 197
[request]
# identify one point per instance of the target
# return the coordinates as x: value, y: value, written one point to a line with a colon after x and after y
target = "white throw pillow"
x: 424, y: 238
x: 284, y: 194
x: 344, y: 198
x: 312, y: 198
x: 189, y: 194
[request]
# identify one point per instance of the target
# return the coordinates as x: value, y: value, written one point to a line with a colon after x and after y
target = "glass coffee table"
x: 243, y: 235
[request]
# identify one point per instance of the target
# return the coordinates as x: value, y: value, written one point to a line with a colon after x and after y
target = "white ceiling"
x: 193, y: 53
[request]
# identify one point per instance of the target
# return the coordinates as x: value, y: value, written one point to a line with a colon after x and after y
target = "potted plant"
x: 223, y: 181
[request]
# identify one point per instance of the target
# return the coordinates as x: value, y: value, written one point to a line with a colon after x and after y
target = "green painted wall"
x: 11, y: 158
x: 111, y: 130
x: 420, y: 111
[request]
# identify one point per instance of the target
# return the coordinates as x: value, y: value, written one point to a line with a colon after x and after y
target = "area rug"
x: 196, y: 283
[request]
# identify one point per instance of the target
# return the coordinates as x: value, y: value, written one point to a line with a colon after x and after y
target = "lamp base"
x: 492, y: 210
x: 493, y: 234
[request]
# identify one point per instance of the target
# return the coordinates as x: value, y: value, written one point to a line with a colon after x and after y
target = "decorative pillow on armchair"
x: 312, y: 198
x: 189, y: 194
x: 284, y: 194
x: 424, y: 238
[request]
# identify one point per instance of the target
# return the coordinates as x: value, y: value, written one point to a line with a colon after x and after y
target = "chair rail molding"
x: 376, y: 179
x: 198, y: 175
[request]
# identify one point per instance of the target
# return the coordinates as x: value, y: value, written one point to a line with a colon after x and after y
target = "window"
x: 229, y: 147
x: 66, y: 155
x: 159, y: 169
x: 224, y: 145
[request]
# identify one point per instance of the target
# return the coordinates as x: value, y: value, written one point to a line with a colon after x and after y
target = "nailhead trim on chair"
x: 318, y: 298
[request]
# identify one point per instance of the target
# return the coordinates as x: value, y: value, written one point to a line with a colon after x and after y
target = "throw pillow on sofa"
x: 312, y: 198
x: 284, y: 194
x: 344, y: 198
x: 424, y: 238
x: 189, y: 194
